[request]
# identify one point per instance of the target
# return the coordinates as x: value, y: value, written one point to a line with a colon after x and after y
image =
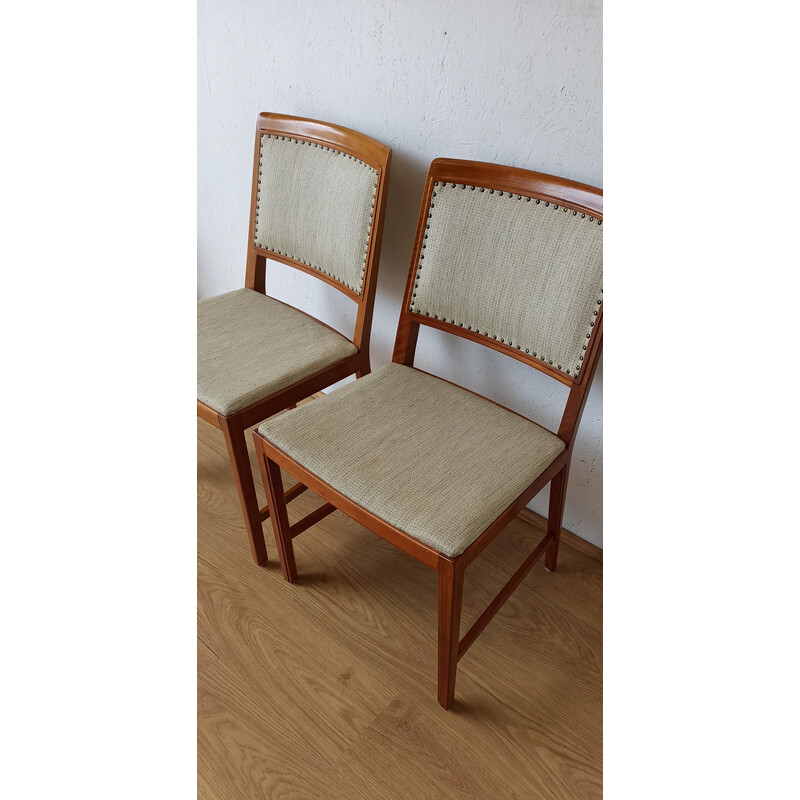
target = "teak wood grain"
x: 582, y: 199
x: 234, y: 426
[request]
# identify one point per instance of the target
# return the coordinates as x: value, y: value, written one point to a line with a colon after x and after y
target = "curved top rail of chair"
x: 578, y: 196
x: 356, y: 144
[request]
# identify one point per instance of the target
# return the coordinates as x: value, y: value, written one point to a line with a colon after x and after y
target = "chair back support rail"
x: 545, y: 229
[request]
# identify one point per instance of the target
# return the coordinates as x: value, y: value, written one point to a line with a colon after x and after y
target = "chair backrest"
x: 318, y: 204
x: 511, y: 259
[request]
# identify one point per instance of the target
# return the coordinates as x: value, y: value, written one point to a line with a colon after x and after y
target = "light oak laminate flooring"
x: 327, y: 688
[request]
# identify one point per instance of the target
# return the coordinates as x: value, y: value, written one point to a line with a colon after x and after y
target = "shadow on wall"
x: 406, y: 183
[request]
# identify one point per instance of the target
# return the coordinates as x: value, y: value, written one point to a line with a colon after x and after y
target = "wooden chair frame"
x: 581, y: 198
x: 233, y: 427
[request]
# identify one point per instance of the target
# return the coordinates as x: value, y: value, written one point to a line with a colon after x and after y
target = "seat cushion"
x: 434, y: 460
x: 250, y: 346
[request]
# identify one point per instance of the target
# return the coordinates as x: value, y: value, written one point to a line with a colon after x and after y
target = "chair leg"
x: 451, y: 589
x: 555, y: 517
x: 273, y: 485
x: 243, y: 478
x: 365, y: 367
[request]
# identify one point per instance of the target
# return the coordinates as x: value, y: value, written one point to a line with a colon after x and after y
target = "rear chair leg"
x: 243, y: 478
x: 451, y: 589
x: 555, y: 517
x: 276, y: 500
x: 365, y: 367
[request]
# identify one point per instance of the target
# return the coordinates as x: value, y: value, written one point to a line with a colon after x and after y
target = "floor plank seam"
x: 208, y: 647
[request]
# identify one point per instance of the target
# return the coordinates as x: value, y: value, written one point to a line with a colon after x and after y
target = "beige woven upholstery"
x: 250, y: 346
x: 315, y: 205
x: 524, y: 272
x: 428, y: 457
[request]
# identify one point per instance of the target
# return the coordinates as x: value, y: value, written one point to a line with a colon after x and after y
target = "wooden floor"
x: 327, y: 688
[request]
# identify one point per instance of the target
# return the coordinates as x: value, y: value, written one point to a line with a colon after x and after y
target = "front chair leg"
x: 243, y: 478
x: 555, y: 517
x: 451, y: 590
x: 273, y: 485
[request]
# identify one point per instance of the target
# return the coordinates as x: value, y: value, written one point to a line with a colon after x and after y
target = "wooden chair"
x: 318, y: 203
x: 504, y: 257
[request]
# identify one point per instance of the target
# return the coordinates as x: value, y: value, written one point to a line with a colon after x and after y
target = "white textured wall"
x: 505, y: 81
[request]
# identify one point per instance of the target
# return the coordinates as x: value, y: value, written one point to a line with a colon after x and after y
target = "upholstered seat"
x: 250, y: 346
x: 430, y: 458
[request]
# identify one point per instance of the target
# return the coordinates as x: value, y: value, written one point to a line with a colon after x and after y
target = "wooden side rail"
x: 312, y: 519
x: 516, y: 579
x: 290, y: 495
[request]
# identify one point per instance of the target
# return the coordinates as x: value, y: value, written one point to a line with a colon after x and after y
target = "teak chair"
x: 318, y: 202
x: 504, y: 257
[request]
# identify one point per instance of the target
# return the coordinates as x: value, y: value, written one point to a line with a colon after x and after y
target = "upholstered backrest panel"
x: 315, y: 205
x: 525, y: 272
